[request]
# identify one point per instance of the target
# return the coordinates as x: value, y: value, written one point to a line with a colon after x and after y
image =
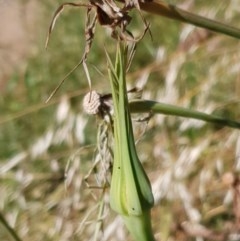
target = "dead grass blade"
x: 57, y: 14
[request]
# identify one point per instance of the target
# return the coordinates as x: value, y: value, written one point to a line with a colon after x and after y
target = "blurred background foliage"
x: 46, y: 150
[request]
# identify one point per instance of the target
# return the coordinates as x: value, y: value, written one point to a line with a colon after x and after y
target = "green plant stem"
x: 10, y: 230
x: 173, y: 12
x: 141, y: 106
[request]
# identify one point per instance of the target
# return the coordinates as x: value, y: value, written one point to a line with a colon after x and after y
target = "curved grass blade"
x: 57, y: 14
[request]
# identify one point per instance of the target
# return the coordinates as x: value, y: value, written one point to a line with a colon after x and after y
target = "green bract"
x: 130, y: 194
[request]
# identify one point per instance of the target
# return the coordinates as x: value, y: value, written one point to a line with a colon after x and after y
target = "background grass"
x: 47, y: 149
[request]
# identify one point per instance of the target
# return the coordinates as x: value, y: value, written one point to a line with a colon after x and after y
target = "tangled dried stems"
x: 106, y: 13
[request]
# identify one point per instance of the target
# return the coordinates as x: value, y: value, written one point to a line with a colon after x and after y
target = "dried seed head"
x: 92, y: 102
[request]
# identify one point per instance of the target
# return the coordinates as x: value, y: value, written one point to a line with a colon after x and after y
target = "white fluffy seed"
x: 91, y: 102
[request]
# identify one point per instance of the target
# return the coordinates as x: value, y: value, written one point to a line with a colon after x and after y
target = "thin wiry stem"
x: 10, y: 230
